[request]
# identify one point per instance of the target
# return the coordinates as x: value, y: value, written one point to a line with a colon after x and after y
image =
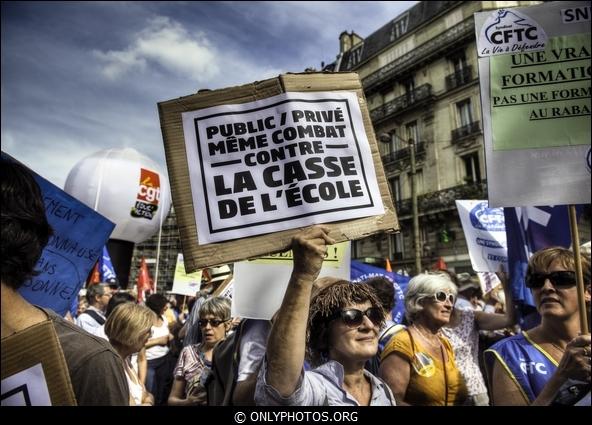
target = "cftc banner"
x: 534, y: 68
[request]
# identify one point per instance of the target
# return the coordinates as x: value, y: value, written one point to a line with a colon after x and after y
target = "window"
x: 463, y: 109
x: 459, y: 62
x: 395, y: 183
x: 409, y: 86
x: 472, y: 170
x: 412, y: 132
x: 399, y: 27
x: 418, y: 181
x: 397, y: 245
x: 396, y: 142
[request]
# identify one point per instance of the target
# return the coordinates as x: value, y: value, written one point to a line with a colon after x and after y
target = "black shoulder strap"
x: 100, y: 320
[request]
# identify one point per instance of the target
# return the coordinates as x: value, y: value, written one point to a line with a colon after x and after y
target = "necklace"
x: 436, y: 345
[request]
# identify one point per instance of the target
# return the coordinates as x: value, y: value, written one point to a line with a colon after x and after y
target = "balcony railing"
x: 459, y: 78
x: 433, y: 47
x: 403, y: 153
x: 465, y: 131
x: 401, y: 103
x: 443, y: 199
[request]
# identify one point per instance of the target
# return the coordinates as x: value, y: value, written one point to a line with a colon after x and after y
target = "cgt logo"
x: 148, y: 195
x: 510, y: 31
x: 149, y: 186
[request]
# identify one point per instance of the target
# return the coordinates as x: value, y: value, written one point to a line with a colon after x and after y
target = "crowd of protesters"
x: 332, y: 342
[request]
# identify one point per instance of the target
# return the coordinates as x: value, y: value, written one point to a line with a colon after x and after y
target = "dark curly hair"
x: 156, y: 303
x: 324, y: 305
x: 385, y: 291
x: 25, y: 229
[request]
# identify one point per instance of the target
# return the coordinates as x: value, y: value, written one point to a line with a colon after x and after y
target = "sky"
x: 81, y: 77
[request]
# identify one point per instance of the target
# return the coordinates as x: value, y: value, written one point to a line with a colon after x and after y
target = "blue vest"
x: 527, y: 364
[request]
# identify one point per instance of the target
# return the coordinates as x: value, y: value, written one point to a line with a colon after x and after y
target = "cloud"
x: 167, y: 44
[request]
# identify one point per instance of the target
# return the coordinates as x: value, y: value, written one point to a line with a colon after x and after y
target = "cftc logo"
x: 510, y: 31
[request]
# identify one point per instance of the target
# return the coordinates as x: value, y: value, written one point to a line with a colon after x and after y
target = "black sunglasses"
x: 353, y: 317
x: 562, y: 279
x: 214, y: 322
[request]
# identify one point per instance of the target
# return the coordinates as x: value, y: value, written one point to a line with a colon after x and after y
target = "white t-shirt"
x: 253, y: 343
x: 158, y: 351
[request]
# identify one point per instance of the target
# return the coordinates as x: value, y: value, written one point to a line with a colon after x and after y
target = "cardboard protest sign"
x: 488, y: 281
x: 226, y: 288
x: 79, y: 235
x: 260, y: 284
x: 250, y: 165
x: 185, y: 283
x: 485, y: 233
x: 286, y: 161
x: 34, y: 370
x: 534, y: 70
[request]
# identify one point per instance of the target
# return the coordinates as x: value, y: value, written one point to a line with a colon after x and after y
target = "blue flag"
x: 529, y: 229
x: 362, y: 271
x: 106, y: 269
x: 79, y: 233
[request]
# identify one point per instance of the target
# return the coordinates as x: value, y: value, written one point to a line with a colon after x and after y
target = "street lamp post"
x: 414, y: 212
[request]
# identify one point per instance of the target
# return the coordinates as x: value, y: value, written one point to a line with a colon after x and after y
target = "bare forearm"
x: 286, y: 344
x: 550, y: 390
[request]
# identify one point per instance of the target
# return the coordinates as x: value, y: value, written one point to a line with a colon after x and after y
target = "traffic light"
x: 446, y: 235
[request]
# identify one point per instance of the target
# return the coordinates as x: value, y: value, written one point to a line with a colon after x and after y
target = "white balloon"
x: 126, y: 187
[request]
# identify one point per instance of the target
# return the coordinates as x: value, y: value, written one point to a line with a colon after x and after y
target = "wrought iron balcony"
x: 465, y: 131
x: 435, y: 47
x: 443, y: 199
x: 403, y: 153
x: 399, y: 104
x: 459, y: 78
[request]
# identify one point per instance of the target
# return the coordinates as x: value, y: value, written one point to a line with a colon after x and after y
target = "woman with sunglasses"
x: 418, y: 362
x: 340, y: 324
x: 530, y: 368
x: 195, y: 360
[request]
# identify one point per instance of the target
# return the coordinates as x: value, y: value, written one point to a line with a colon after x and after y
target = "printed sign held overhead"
x: 287, y: 161
x: 185, y: 283
x: 277, y: 155
x: 485, y: 232
x: 536, y: 104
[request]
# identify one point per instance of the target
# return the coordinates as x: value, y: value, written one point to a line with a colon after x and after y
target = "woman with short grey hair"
x: 195, y: 360
x: 418, y: 362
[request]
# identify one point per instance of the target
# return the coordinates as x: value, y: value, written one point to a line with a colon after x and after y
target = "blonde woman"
x: 128, y: 328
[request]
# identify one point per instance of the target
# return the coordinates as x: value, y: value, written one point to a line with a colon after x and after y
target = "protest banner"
x: 485, y: 233
x: 185, y: 283
x: 260, y: 284
x: 79, y: 235
x: 251, y: 165
x: 362, y: 271
x: 534, y: 70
